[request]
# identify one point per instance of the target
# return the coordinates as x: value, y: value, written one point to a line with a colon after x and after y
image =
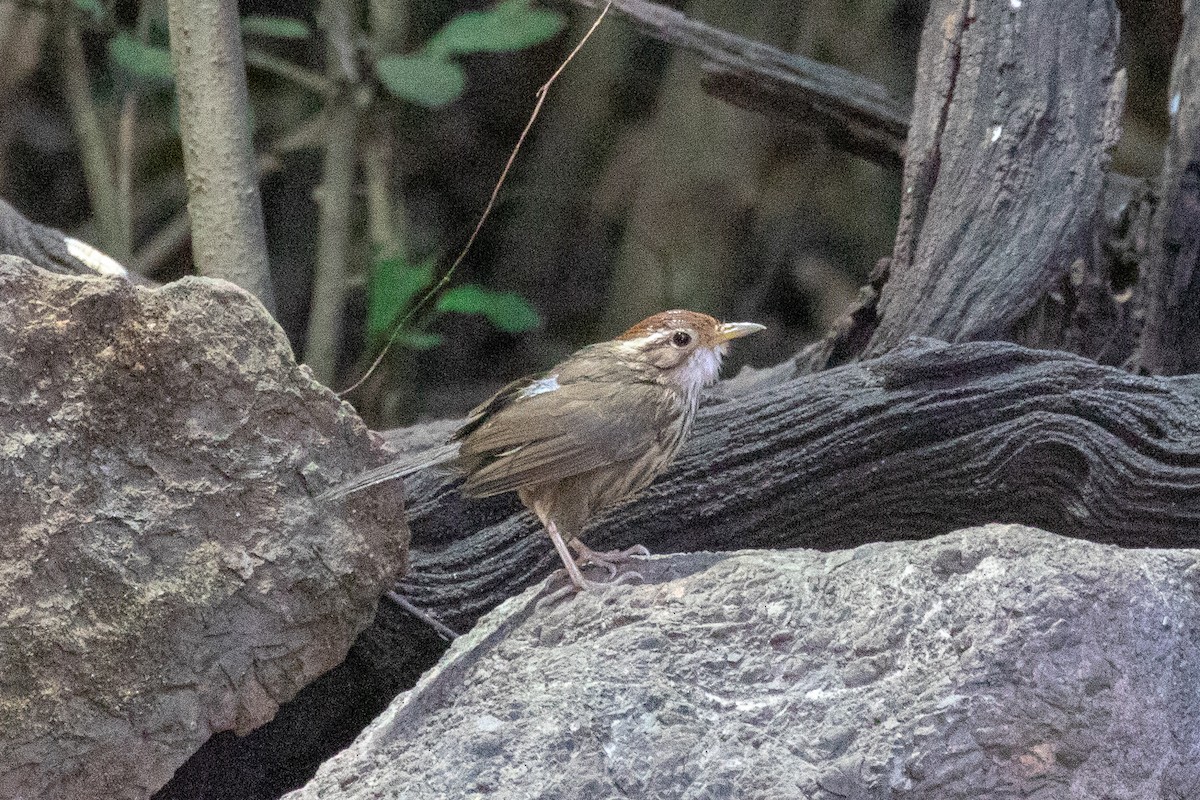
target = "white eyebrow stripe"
x: 540, y: 386
x: 639, y: 344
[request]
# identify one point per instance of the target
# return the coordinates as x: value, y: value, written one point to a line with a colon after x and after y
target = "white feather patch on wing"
x: 540, y: 386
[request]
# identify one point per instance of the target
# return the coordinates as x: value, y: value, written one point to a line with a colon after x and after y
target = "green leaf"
x: 275, y: 27
x: 419, y: 340
x: 392, y: 286
x: 91, y: 7
x: 511, y: 25
x: 425, y: 80
x: 507, y: 311
x: 140, y: 60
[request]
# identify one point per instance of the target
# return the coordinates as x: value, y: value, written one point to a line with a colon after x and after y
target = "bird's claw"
x: 571, y: 588
x: 608, y: 559
x: 608, y: 565
x: 626, y: 577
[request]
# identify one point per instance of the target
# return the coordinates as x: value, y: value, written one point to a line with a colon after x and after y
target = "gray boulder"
x: 164, y: 573
x: 996, y: 662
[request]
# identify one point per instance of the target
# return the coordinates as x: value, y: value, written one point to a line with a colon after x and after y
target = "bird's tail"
x: 393, y: 469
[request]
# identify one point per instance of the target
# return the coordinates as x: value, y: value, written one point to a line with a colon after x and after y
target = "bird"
x: 586, y: 434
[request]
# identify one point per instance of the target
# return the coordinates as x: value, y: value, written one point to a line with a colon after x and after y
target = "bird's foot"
x: 586, y: 555
x: 608, y: 559
x: 579, y: 583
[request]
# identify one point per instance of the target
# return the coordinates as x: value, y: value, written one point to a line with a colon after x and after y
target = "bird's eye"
x: 681, y: 338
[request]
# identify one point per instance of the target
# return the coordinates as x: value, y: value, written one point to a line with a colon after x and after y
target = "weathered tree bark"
x: 1170, y: 340
x: 1005, y: 166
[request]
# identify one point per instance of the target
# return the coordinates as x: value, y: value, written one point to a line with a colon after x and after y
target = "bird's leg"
x: 607, y: 558
x: 579, y: 582
x: 572, y: 568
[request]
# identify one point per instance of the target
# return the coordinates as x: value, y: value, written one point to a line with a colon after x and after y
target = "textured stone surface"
x: 164, y: 573
x: 996, y: 662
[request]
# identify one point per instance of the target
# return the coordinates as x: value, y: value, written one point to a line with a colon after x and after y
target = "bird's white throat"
x: 700, y: 369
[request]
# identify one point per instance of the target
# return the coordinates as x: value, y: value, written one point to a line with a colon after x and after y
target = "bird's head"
x: 685, y: 347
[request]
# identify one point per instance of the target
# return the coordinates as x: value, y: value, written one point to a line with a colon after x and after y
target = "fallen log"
x: 926, y: 439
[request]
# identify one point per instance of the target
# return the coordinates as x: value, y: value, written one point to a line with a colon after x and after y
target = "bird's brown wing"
x: 579, y: 427
x: 496, y: 403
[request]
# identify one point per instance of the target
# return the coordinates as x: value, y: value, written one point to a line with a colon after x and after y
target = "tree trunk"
x: 223, y: 200
x: 1016, y: 110
x: 1170, y: 342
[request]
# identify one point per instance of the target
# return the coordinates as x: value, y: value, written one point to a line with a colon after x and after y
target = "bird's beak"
x: 736, y: 330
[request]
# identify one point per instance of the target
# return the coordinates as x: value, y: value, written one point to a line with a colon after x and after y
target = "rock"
x: 165, y: 574
x: 996, y: 662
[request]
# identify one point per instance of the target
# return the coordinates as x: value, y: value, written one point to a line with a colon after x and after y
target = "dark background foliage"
x: 636, y: 191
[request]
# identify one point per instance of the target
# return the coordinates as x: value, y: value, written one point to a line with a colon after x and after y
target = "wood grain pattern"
x: 924, y: 440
